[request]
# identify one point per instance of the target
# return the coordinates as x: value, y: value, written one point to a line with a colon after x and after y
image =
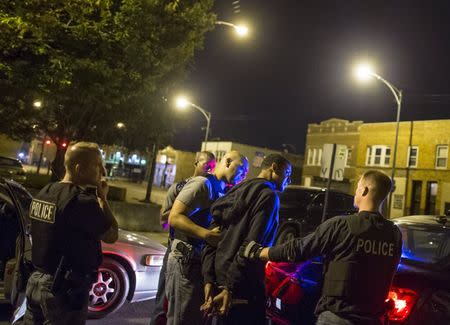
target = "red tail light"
x: 403, y: 301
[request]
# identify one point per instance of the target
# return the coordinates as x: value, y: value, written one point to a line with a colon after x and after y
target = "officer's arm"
x: 178, y: 218
x: 320, y: 242
x: 112, y: 234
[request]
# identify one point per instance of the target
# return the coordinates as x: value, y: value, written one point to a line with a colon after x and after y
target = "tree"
x: 92, y: 64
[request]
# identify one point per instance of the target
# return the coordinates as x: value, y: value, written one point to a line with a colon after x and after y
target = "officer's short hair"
x: 80, y: 152
x: 209, y: 155
x: 381, y: 182
x: 276, y: 158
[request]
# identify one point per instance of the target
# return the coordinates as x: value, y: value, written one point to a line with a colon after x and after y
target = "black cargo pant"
x: 43, y: 307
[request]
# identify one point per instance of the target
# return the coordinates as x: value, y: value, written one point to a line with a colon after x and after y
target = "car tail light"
x: 403, y: 301
x: 153, y: 260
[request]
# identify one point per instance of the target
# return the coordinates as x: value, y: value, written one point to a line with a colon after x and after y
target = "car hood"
x: 130, y: 238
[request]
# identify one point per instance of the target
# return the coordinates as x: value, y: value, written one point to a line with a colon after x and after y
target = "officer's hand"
x: 251, y: 250
x: 222, y: 302
x: 102, y: 189
x: 213, y: 237
x: 209, y: 293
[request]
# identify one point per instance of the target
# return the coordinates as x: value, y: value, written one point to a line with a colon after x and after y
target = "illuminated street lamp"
x: 37, y: 104
x: 120, y: 125
x: 364, y: 72
x: 182, y: 103
x: 241, y: 30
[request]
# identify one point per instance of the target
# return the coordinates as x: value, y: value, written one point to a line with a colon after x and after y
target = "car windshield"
x: 425, y: 244
x: 9, y: 162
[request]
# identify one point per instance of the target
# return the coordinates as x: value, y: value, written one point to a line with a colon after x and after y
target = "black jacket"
x: 248, y: 212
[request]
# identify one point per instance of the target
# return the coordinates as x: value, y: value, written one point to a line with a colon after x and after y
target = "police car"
x: 420, y: 290
x: 129, y: 272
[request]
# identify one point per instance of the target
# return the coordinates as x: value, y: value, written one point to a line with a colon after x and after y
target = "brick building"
x: 422, y: 174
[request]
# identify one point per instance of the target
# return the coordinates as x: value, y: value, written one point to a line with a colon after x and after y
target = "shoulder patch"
x: 43, y: 211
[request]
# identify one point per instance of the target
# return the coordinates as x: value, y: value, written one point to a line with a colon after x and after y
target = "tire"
x: 287, y: 233
x: 110, y: 290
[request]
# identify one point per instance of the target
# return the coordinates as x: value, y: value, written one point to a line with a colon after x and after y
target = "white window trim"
x: 409, y: 156
x: 319, y: 158
x: 310, y: 161
x: 370, y: 156
x: 436, y: 154
x: 314, y: 157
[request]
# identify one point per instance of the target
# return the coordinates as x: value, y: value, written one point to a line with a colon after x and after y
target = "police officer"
x: 68, y: 220
x: 190, y: 218
x: 361, y: 254
x: 205, y: 163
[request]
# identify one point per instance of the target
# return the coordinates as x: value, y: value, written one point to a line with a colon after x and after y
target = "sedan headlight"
x: 153, y: 260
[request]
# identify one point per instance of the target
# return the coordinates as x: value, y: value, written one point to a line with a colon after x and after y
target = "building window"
x: 441, y: 156
x: 314, y: 156
x: 349, y: 157
x: 378, y: 155
x: 219, y: 154
x: 318, y: 156
x: 413, y: 156
x: 310, y: 157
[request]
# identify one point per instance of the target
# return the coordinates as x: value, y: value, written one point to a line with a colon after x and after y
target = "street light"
x: 182, y: 103
x: 241, y: 30
x: 37, y: 104
x: 365, y: 72
x: 120, y: 125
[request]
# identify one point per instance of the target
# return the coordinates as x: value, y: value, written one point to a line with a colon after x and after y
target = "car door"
x: 23, y: 266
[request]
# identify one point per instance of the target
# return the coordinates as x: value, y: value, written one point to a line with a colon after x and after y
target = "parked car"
x: 420, y: 291
x: 301, y: 210
x: 129, y: 272
x: 11, y: 168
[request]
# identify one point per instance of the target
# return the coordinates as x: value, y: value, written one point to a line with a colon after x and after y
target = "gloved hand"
x: 250, y: 250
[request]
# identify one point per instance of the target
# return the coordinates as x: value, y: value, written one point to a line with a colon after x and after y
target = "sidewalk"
x: 136, y: 191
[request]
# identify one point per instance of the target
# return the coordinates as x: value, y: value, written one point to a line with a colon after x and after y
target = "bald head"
x: 233, y: 167
x: 83, y: 162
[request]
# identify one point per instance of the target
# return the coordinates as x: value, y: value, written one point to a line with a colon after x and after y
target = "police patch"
x: 43, y: 211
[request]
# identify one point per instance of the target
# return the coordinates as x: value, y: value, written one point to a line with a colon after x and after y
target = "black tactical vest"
x: 362, y: 274
x: 48, y: 224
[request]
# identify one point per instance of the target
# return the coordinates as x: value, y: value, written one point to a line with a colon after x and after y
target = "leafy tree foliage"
x: 93, y: 63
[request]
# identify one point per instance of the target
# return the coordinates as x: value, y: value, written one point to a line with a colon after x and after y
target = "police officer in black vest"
x: 361, y: 253
x: 68, y: 220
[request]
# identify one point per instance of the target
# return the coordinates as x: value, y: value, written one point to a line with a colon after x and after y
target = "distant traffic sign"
x: 340, y: 159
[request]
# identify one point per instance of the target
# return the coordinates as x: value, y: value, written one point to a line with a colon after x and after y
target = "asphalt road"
x: 134, y: 314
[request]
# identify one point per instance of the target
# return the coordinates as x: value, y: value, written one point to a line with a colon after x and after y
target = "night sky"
x: 296, y: 68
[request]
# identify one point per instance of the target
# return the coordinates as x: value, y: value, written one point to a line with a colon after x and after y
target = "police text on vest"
x: 375, y: 247
x: 43, y: 211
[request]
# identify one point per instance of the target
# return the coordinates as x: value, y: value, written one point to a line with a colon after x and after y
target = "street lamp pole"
x: 398, y: 95
x: 241, y: 30
x: 182, y: 102
x: 207, y: 115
